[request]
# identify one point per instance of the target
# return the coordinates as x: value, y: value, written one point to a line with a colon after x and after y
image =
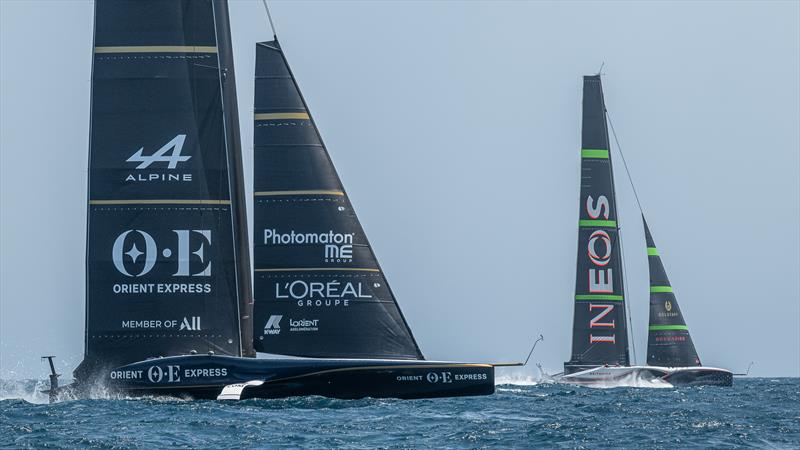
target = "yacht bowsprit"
x: 600, y: 355
x: 169, y: 306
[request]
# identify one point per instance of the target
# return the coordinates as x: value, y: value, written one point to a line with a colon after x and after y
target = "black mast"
x: 599, y: 328
x: 166, y: 270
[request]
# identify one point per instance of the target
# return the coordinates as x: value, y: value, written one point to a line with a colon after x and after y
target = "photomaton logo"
x: 135, y: 253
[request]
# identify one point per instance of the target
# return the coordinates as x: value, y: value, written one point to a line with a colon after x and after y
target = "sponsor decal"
x: 669, y: 312
x: 303, y: 325
x: 160, y: 156
x: 337, y: 247
x: 678, y: 338
x: 595, y: 322
x: 439, y: 377
x: 169, y: 374
x: 187, y: 323
x: 273, y: 325
x: 444, y: 377
x: 318, y: 293
x: 135, y: 254
x: 600, y: 280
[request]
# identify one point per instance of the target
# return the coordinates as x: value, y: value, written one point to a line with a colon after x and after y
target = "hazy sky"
x: 455, y: 128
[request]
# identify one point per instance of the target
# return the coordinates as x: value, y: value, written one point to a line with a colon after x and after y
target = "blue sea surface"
x: 756, y: 412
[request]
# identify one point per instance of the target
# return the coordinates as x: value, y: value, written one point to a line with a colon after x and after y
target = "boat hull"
x: 204, y: 377
x: 642, y: 376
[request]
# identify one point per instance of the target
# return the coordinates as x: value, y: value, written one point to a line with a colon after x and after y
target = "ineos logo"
x: 125, y: 249
x: 600, y: 260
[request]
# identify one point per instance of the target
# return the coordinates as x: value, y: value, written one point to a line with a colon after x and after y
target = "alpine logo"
x: 273, y: 325
x: 162, y: 155
x: 191, y: 323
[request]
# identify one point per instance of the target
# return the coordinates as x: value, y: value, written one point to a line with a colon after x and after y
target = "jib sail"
x: 668, y: 341
x: 166, y: 273
x: 599, y: 333
x: 319, y: 290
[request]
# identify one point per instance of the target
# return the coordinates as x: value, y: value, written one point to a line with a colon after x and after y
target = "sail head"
x: 669, y: 343
x: 599, y: 327
x: 164, y: 270
x: 319, y: 291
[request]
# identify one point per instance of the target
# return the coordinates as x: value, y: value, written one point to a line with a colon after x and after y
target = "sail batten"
x: 599, y: 325
x: 669, y: 343
x: 319, y: 290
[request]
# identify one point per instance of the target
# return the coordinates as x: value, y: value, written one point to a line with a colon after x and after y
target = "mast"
x: 166, y: 270
x: 599, y: 327
x: 319, y: 290
x: 668, y: 341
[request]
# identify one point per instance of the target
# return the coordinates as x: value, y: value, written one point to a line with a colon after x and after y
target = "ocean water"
x: 756, y: 412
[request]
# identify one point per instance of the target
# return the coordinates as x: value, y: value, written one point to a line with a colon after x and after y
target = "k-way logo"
x: 338, y: 246
x: 160, y: 156
x: 273, y: 325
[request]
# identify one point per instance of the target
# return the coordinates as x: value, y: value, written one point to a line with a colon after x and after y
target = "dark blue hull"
x: 203, y: 376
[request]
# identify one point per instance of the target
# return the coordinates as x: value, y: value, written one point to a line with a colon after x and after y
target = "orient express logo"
x: 135, y: 253
x: 160, y: 156
x: 338, y: 247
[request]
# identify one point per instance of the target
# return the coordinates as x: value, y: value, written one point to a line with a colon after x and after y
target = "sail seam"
x: 282, y: 115
x: 307, y: 269
x: 160, y: 202
x: 306, y: 192
x: 157, y: 49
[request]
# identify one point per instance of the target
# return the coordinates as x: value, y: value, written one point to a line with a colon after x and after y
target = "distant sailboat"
x: 600, y: 354
x: 169, y: 308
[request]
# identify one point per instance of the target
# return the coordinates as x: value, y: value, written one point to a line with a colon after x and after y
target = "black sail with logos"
x: 599, y: 333
x: 167, y: 267
x: 319, y: 290
x: 668, y: 341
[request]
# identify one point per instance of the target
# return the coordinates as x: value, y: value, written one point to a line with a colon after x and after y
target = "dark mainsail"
x: 668, y: 341
x: 167, y: 266
x: 318, y: 288
x: 599, y: 334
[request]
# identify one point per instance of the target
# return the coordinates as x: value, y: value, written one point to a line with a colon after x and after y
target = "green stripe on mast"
x: 668, y: 327
x: 594, y: 153
x: 652, y: 251
x: 597, y: 223
x: 660, y: 289
x: 614, y: 298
